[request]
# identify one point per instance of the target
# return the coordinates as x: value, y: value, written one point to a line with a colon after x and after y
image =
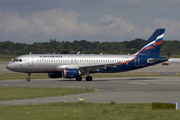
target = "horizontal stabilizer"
x: 153, y: 60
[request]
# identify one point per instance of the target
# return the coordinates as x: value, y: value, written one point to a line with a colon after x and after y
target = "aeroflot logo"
x: 156, y: 42
x: 50, y: 56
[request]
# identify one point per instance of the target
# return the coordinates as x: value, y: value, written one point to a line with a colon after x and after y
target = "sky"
x: 29, y: 21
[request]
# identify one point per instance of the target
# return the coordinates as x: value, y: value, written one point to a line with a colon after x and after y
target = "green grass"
x: 5, y: 59
x: 17, y: 75
x: 86, y: 111
x: 9, y: 93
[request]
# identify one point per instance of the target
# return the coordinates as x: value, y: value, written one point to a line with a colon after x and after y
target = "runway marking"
x: 138, y: 83
x: 114, y: 81
x: 10, y: 81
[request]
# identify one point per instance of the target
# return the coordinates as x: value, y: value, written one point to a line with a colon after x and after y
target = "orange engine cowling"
x: 70, y: 73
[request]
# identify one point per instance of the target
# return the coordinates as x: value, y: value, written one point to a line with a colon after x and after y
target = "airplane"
x: 76, y: 65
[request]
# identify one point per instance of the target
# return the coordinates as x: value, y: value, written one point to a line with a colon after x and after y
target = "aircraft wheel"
x: 79, y: 78
x: 88, y: 78
x: 28, y: 79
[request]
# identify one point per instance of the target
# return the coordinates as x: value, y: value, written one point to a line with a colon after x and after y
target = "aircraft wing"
x: 87, y: 68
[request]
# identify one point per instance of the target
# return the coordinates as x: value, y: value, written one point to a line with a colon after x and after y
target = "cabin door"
x: 137, y: 61
x: 30, y: 61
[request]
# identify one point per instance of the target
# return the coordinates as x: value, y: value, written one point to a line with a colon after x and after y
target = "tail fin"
x: 153, y: 45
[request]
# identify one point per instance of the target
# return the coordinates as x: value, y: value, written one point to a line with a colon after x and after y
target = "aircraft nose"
x: 9, y: 66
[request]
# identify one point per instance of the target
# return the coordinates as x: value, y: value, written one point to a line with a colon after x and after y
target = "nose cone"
x: 9, y: 66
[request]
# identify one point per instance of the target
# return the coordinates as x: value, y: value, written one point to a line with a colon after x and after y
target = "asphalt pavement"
x: 117, y: 89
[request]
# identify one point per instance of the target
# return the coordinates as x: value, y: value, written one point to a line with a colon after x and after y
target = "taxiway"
x: 119, y: 90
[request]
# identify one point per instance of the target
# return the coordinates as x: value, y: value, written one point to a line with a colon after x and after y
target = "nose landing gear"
x: 29, y: 79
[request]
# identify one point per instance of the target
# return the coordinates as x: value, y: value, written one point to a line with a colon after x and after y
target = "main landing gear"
x: 79, y: 78
x: 88, y: 78
x: 28, y: 79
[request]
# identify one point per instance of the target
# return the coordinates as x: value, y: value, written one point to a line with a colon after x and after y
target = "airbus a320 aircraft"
x: 76, y: 65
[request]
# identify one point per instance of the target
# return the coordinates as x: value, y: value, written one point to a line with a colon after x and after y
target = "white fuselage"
x: 57, y: 62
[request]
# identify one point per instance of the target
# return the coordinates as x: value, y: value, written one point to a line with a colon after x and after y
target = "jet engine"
x: 70, y: 73
x: 55, y: 75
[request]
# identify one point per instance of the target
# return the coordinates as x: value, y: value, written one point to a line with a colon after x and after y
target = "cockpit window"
x: 17, y: 60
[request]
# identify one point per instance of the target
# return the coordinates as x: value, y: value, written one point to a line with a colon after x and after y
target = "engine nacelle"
x: 70, y: 73
x: 55, y: 75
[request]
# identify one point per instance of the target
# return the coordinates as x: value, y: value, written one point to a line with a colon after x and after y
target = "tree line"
x: 84, y: 46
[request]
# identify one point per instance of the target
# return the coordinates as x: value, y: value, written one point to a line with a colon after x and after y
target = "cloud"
x: 52, y: 22
x: 56, y: 23
x: 117, y: 26
x: 121, y: 26
x: 173, y: 28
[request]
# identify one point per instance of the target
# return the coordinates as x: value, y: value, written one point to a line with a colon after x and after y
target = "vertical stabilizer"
x: 153, y: 45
